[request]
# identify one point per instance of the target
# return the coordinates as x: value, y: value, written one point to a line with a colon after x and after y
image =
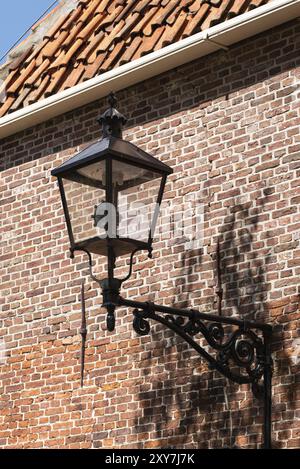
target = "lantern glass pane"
x: 94, y: 174
x: 126, y: 175
x: 82, y: 200
x: 136, y: 191
x: 127, y: 220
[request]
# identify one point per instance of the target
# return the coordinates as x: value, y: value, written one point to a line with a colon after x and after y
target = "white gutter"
x: 155, y: 63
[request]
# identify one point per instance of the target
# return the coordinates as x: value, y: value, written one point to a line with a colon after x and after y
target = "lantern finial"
x: 112, y: 99
x: 112, y: 120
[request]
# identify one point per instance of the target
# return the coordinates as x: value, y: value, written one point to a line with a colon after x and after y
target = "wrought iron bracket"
x: 241, y: 348
x: 238, y: 349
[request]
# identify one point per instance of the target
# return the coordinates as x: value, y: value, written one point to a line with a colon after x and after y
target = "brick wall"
x: 228, y: 124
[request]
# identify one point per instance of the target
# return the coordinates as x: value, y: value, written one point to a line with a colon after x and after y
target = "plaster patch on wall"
x: 296, y: 236
x: 296, y: 94
x: 295, y: 358
x: 2, y: 352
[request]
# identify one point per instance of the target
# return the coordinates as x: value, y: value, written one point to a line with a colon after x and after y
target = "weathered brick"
x: 236, y: 146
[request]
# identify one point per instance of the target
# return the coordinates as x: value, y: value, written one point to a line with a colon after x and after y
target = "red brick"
x: 240, y: 148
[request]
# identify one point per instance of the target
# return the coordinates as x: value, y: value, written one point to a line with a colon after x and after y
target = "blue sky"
x: 16, y: 16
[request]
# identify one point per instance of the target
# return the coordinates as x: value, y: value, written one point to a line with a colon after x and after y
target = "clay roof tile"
x: 97, y: 35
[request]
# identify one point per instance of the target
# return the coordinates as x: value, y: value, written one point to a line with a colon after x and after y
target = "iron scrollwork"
x: 238, y: 354
x: 140, y: 324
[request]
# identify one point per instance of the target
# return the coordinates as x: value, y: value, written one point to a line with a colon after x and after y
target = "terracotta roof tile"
x: 7, y: 104
x: 151, y: 24
x: 63, y: 25
x: 256, y: 3
x: 21, y: 80
x: 237, y: 8
x: 148, y: 44
x: 19, y: 60
x: 171, y: 32
x: 111, y: 57
x: 196, y: 20
x: 140, y: 6
x: 195, y: 6
x: 74, y: 77
x: 34, y: 77
x: 90, y: 52
x: 35, y: 96
x: 98, y: 35
x: 55, y: 82
x: 219, y: 15
x: 130, y: 51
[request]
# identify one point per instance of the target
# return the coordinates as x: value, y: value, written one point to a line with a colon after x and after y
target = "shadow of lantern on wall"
x: 98, y: 187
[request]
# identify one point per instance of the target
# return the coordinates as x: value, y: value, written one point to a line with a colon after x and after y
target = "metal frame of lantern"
x: 109, y: 150
x: 241, y: 354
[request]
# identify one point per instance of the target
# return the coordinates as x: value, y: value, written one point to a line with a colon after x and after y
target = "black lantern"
x: 111, y: 193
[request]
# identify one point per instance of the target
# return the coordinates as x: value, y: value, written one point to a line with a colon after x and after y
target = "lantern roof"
x: 116, y: 148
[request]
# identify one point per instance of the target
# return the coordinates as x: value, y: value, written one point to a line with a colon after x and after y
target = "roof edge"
x: 198, y: 45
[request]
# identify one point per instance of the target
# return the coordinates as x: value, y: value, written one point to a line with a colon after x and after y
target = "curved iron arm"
x: 244, y: 353
x: 194, y: 314
x: 73, y: 250
x: 130, y: 266
x: 103, y: 283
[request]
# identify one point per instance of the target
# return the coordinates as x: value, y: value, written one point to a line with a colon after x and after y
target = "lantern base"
x: 111, y: 294
x: 121, y: 246
x: 110, y: 291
